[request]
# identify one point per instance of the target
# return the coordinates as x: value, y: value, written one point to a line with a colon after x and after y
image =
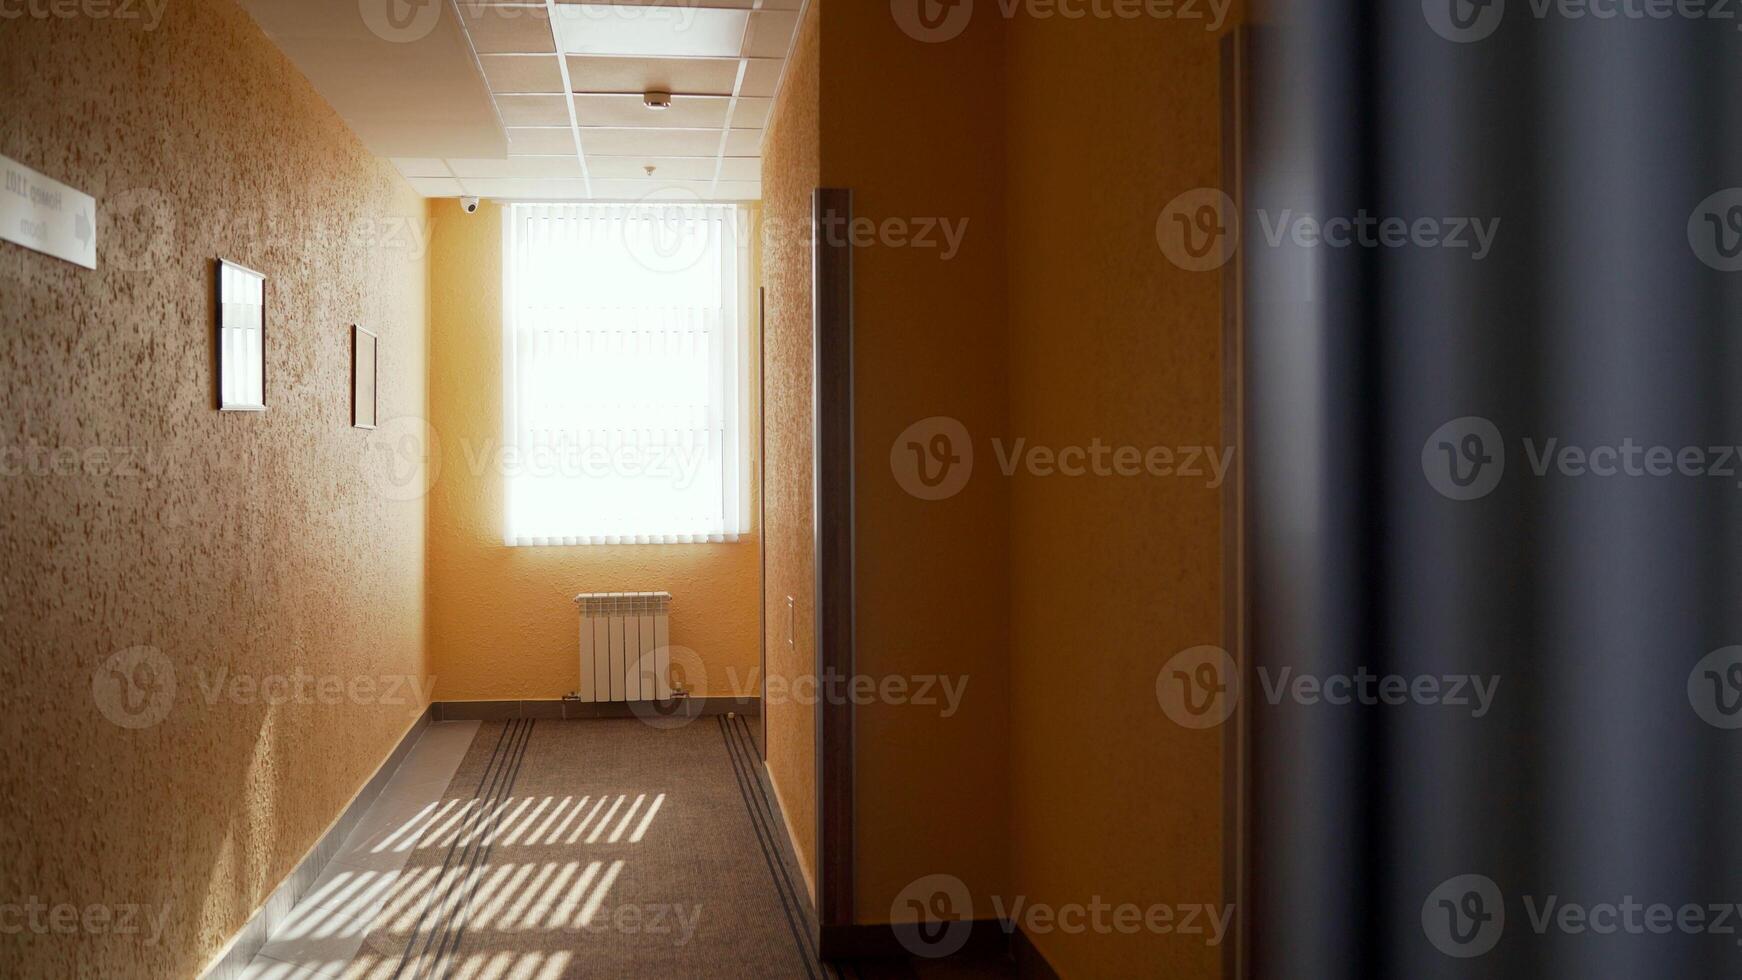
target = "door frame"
x: 762, y: 512
x: 835, y: 542
x: 1236, y: 71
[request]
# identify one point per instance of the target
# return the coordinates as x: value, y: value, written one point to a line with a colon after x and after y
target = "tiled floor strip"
x: 471, y: 848
x: 328, y: 926
x: 771, y: 837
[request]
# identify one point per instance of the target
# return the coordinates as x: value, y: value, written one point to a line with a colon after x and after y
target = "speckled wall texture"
x: 503, y: 624
x: 791, y: 172
x: 274, y: 581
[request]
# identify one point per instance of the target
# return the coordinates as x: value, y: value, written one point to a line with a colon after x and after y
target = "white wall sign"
x: 47, y: 215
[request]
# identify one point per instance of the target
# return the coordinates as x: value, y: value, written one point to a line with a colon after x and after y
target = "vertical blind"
x: 625, y: 398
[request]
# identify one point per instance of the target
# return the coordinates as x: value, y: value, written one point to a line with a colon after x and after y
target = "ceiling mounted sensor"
x: 657, y: 101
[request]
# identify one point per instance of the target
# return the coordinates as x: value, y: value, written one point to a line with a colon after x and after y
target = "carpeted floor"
x: 596, y: 849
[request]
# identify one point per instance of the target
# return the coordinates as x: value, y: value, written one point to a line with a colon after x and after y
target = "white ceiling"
x: 560, y: 85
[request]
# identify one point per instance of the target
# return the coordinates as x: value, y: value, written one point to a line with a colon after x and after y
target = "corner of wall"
x: 919, y: 151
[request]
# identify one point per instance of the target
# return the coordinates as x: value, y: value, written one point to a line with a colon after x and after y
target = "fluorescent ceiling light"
x: 650, y: 32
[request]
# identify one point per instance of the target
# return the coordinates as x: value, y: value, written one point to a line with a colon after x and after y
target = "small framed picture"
x: 241, y: 338
x: 363, y: 364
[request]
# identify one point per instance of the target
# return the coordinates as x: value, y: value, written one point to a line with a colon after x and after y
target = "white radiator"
x: 625, y: 653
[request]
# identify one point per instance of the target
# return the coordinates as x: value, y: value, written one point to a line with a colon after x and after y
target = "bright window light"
x: 625, y: 394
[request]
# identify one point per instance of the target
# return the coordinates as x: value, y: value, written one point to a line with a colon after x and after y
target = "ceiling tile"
x: 744, y: 143
x: 681, y: 32
x: 522, y: 73
x: 421, y: 167
x: 644, y: 189
x: 668, y: 168
x: 650, y: 142
x: 638, y: 75
x: 538, y: 188
x: 435, y: 186
x: 770, y: 33
x: 551, y: 166
x: 533, y: 110
x: 751, y: 113
x: 761, y: 77
x: 740, y: 168
x: 737, y: 190
x: 671, y: 168
x: 686, y: 112
x: 504, y: 29
x: 540, y: 142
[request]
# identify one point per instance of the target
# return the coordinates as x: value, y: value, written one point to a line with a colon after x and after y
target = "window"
x: 625, y: 394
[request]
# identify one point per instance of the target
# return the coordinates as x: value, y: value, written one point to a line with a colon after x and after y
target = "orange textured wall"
x: 914, y: 130
x: 790, y: 172
x: 502, y: 621
x: 273, y: 580
x: 1109, y: 341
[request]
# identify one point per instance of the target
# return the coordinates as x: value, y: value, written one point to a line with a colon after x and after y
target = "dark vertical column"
x: 1456, y: 139
x: 1585, y: 146
x: 1621, y: 334
x: 832, y: 413
x: 1307, y: 360
x: 1719, y: 754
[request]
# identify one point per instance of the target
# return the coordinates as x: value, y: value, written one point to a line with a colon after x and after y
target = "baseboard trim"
x: 898, y: 940
x: 234, y: 958
x: 990, y: 939
x: 551, y: 709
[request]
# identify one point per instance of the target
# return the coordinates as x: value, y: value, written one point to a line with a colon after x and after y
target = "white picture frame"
x: 365, y: 375
x: 241, y: 338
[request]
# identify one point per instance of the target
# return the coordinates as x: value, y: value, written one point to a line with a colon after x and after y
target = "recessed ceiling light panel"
x: 650, y: 31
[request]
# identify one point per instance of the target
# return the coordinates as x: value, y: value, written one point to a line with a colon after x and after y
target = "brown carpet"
x: 597, y: 849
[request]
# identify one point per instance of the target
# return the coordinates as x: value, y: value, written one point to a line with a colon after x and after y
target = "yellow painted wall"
x: 241, y: 549
x: 916, y: 132
x: 502, y: 623
x: 1060, y: 322
x: 790, y: 171
x: 1111, y: 576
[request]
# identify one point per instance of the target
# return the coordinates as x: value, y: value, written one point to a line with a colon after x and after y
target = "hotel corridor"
x: 870, y: 489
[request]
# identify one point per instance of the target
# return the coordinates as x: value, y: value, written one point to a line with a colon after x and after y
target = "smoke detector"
x: 657, y: 101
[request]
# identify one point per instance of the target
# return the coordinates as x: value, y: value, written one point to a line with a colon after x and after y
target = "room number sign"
x: 44, y: 214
